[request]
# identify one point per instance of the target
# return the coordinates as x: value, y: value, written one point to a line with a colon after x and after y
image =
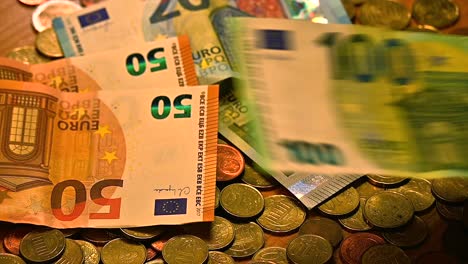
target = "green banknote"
x: 119, y: 23
x: 341, y: 99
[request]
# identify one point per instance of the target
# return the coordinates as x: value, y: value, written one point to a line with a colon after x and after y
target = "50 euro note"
x: 111, y: 24
x: 337, y: 99
x: 107, y: 174
x: 153, y: 64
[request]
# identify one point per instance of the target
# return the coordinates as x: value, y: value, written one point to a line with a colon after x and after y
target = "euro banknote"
x: 118, y: 23
x: 68, y: 159
x: 340, y: 99
x: 319, y: 11
x: 154, y: 64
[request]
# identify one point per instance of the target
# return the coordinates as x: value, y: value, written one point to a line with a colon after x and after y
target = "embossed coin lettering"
x: 282, y: 214
x: 385, y: 254
x: 309, y: 249
x: 274, y: 254
x: 343, y: 203
x: 42, y: 245
x: 230, y: 163
x: 388, y: 210
x: 248, y: 240
x: 185, y: 249
x: 241, y: 200
x: 123, y: 251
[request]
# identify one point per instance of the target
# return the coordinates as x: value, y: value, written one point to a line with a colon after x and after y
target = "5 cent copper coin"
x: 354, y: 246
x: 231, y: 163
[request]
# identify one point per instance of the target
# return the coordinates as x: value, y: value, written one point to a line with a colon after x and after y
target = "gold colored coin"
x: 309, y: 249
x: 450, y: 211
x: 419, y: 193
x: 424, y: 28
x: 68, y: 232
x: 241, y: 200
x: 356, y: 221
x: 217, y: 234
x: 409, y: 235
x: 385, y: 181
x: 323, y: 227
x: 217, y: 257
x: 43, y: 245
x: 248, y: 240
x: 385, y: 254
x: 451, y: 190
x: 72, y: 254
x: 343, y: 203
x: 90, y: 252
x: 437, y: 13
x: 384, y: 13
x: 217, y: 194
x: 274, y: 254
x: 388, y: 210
x: 143, y: 233
x: 98, y: 236
x: 7, y: 258
x: 255, y: 176
x: 366, y: 190
x: 47, y: 44
x: 185, y: 249
x: 123, y: 251
x: 282, y: 214
x: 27, y: 54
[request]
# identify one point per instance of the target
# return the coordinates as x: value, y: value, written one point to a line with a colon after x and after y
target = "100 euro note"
x: 96, y: 171
x: 144, y: 65
x: 338, y: 99
x: 116, y: 23
x: 236, y: 125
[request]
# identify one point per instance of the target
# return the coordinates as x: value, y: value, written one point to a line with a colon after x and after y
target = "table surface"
x: 17, y: 30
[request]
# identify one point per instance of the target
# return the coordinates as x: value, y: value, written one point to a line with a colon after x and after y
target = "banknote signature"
x: 176, y: 191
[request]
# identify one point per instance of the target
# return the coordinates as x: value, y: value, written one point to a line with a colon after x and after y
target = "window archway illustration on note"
x: 26, y: 122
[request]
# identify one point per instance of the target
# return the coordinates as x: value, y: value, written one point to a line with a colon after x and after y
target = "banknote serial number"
x: 313, y: 153
x: 201, y: 152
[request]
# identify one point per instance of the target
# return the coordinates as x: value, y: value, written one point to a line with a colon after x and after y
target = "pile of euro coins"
x: 378, y: 219
x: 46, y: 46
x: 417, y: 15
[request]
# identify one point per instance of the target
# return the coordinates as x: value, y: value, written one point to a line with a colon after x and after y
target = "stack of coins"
x: 378, y: 219
x: 46, y: 46
x: 422, y: 15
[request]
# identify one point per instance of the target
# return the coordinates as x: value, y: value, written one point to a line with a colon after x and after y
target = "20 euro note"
x: 338, y: 99
x: 116, y: 23
x: 106, y: 174
x: 154, y: 64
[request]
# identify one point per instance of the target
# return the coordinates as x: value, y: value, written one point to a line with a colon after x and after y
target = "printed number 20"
x: 159, y: 16
x: 166, y: 107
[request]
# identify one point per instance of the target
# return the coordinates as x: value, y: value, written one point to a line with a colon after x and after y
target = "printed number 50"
x: 166, y: 107
x: 141, y: 62
x: 80, y: 199
x: 159, y: 16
